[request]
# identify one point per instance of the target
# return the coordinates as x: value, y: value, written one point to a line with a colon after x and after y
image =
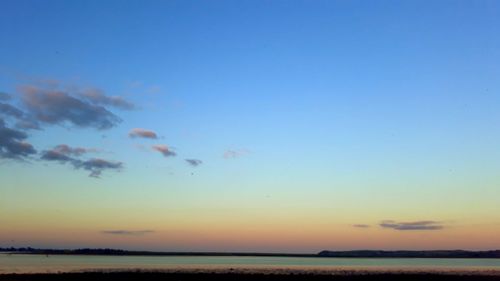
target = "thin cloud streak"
x: 415, y: 225
x: 361, y: 225
x: 128, y: 232
x: 231, y: 154
x: 97, y: 97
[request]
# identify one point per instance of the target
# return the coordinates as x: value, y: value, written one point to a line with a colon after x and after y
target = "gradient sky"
x: 310, y: 125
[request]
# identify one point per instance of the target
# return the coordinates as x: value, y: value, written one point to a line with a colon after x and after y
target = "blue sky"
x: 383, y: 109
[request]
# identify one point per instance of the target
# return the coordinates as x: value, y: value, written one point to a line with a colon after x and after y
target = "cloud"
x: 96, y: 166
x: 361, y: 225
x: 97, y: 97
x: 55, y: 155
x: 63, y: 153
x: 127, y: 232
x: 23, y: 121
x: 77, y: 151
x: 26, y: 124
x: 194, y: 162
x: 9, y: 110
x: 142, y: 133
x: 415, y: 225
x: 59, y: 107
x: 163, y: 149
x: 13, y: 144
x: 229, y: 154
x: 4, y: 96
x: 66, y: 154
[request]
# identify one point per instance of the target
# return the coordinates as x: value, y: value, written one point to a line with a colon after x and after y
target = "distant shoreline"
x: 494, y: 254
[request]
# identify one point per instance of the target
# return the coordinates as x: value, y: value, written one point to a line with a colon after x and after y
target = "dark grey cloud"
x: 23, y: 121
x: 9, y: 110
x: 59, y: 107
x: 194, y: 162
x: 361, y: 225
x: 415, y: 225
x: 127, y: 232
x: 4, y: 96
x: 142, y: 133
x: 97, y: 165
x: 54, y: 155
x: 163, y: 149
x: 66, y: 154
x: 13, y: 144
x: 96, y: 96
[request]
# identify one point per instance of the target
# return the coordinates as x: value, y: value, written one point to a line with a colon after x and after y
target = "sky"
x: 270, y: 126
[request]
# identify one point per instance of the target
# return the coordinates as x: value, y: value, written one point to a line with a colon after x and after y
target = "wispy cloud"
x: 361, y: 225
x: 98, y: 97
x: 194, y: 162
x: 414, y: 225
x: 13, y: 143
x: 128, y: 232
x: 77, y: 151
x: 163, y: 149
x: 142, y: 133
x: 230, y: 153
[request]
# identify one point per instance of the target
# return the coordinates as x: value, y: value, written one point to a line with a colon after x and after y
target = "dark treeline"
x: 117, y: 252
x: 411, y: 254
x: 323, y: 254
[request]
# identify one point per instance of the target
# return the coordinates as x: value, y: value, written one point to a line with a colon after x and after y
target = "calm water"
x: 39, y: 263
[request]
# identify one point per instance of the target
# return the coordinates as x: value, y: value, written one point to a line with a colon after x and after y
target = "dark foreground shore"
x: 239, y: 276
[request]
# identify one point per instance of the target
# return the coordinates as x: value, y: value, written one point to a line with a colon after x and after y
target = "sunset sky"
x: 250, y: 125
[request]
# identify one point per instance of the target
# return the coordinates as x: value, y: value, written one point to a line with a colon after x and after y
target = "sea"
x: 27, y: 263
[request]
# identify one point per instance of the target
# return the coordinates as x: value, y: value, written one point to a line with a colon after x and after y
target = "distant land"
x: 323, y: 254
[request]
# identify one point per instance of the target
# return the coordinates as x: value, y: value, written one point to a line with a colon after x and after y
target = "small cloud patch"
x: 415, y: 225
x: 142, y: 133
x: 231, y: 154
x: 361, y: 225
x: 163, y: 149
x: 194, y: 162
